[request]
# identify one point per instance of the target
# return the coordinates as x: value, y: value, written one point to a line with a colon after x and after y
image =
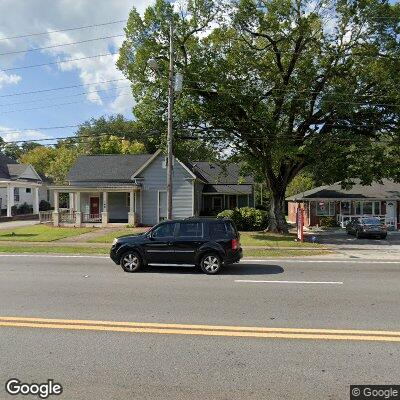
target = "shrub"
x: 327, y: 222
x: 24, y: 208
x: 247, y: 218
x: 44, y: 205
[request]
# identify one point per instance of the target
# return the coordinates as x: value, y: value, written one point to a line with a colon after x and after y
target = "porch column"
x: 132, y: 214
x: 10, y: 199
x: 78, y: 214
x: 56, y: 216
x: 36, y: 200
x: 71, y: 202
x: 104, y: 213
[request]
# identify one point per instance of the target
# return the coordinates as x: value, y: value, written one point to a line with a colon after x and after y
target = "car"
x: 367, y: 227
x: 204, y: 242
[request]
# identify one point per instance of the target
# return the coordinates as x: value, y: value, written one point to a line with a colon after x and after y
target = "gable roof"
x: 113, y: 167
x: 4, y: 164
x: 387, y: 190
x: 124, y: 168
x: 216, y: 174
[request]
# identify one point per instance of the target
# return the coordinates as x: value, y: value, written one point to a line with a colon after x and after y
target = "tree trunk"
x: 277, y: 221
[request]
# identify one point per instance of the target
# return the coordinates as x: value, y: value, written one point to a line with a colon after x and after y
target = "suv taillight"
x: 234, y: 244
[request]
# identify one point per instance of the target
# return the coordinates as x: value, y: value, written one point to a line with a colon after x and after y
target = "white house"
x: 19, y: 183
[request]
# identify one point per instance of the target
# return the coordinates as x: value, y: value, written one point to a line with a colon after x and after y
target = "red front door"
x: 94, y: 205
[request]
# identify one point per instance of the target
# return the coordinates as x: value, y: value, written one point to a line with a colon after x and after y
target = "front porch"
x: 214, y: 203
x: 99, y: 206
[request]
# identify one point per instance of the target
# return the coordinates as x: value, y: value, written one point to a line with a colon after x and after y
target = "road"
x: 319, y: 317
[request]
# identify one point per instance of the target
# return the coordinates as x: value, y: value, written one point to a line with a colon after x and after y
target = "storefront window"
x: 367, y: 208
x: 325, y: 208
x: 345, y: 207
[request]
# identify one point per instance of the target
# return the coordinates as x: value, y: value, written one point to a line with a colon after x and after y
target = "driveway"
x: 17, y: 224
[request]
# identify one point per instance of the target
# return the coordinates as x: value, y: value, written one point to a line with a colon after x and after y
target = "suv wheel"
x: 131, y: 262
x: 210, y: 264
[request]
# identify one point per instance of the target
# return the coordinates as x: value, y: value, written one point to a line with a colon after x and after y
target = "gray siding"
x: 154, y: 180
x: 118, y: 206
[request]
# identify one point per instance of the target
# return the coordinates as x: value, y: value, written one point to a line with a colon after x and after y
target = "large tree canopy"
x: 287, y: 84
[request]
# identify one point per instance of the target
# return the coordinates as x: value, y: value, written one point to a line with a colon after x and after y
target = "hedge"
x: 247, y: 218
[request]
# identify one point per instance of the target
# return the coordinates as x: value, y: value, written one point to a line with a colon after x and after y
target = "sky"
x: 21, y: 115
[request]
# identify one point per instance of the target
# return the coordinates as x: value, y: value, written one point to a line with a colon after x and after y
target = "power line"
x: 60, y: 45
x: 60, y: 104
x: 61, y: 88
x: 58, y: 62
x: 62, y: 97
x: 62, y: 30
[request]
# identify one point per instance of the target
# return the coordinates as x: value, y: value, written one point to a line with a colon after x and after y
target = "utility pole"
x: 170, y: 111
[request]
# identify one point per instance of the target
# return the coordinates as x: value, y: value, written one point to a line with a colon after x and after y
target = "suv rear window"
x: 219, y: 230
x: 190, y: 229
x: 231, y: 228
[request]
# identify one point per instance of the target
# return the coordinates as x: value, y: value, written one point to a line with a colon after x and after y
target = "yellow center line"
x: 203, y: 330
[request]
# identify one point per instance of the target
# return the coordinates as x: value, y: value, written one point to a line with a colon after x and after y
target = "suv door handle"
x: 170, y: 243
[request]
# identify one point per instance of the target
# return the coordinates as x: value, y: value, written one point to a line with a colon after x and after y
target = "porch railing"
x: 343, y: 220
x: 67, y: 216
x: 87, y: 217
x: 45, y: 216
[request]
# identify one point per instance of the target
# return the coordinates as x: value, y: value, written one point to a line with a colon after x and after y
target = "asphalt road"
x: 98, y: 361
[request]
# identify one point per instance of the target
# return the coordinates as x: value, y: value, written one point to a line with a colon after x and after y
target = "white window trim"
x: 158, y: 204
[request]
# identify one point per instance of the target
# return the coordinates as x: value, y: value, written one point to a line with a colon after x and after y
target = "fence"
x: 87, y: 217
x: 45, y: 216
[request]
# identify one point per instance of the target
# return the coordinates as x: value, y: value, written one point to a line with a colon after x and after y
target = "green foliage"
x: 274, y: 82
x: 327, y: 222
x: 299, y: 184
x: 40, y: 158
x: 59, y: 167
x: 44, y: 205
x: 21, y: 209
x: 247, y: 218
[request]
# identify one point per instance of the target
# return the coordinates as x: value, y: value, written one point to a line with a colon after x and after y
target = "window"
x: 377, y: 208
x: 217, y: 203
x: 325, y: 208
x: 16, y: 194
x: 345, y: 207
x: 28, y: 190
x: 191, y: 229
x: 218, y: 230
x: 162, y: 205
x: 367, y: 208
x: 357, y: 208
x: 164, y: 230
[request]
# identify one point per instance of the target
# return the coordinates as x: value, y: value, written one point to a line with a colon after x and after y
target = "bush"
x: 247, y: 218
x: 44, y: 205
x: 327, y: 222
x: 22, y: 209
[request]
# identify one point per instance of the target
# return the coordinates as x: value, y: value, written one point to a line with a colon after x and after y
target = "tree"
x: 40, y: 157
x: 287, y: 84
x: 65, y: 156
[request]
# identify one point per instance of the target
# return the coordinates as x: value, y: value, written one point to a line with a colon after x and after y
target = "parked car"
x: 367, y: 227
x: 208, y: 243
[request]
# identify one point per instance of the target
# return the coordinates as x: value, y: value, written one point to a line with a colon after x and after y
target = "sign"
x: 300, y: 224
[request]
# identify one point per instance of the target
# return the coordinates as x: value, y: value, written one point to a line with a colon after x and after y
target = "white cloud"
x: 10, y: 135
x: 11, y: 79
x: 49, y: 15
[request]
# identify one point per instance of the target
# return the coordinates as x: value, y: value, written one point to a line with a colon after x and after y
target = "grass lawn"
x: 52, y: 249
x: 109, y: 237
x: 40, y: 233
x: 271, y: 240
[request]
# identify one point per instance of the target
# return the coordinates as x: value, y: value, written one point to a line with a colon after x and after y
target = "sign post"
x: 300, y: 224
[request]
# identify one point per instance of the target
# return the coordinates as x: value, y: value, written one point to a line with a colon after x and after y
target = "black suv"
x: 208, y: 243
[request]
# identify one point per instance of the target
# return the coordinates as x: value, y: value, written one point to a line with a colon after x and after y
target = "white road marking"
x: 299, y: 282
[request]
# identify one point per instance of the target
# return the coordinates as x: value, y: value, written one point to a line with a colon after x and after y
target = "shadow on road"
x: 235, y: 269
